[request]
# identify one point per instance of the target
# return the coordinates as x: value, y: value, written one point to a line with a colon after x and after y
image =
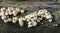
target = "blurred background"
x: 33, y: 0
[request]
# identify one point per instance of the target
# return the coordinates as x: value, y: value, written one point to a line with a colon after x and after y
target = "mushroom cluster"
x: 10, y: 15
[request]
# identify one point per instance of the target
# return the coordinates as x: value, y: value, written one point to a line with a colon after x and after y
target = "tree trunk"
x: 5, y: 0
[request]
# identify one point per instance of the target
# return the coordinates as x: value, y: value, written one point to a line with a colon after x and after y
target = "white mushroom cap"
x: 28, y: 20
x: 38, y: 20
x: 29, y: 24
x: 34, y: 23
x: 32, y: 15
x: 41, y: 12
x: 2, y: 9
x: 24, y: 19
x: 21, y: 21
x: 27, y: 17
x: 9, y: 19
x: 50, y: 20
x: 12, y: 8
x: 10, y: 11
x: 55, y: 24
x: 5, y: 20
x: 32, y: 19
x: 3, y: 17
x: 15, y: 19
x: 17, y: 9
x: 48, y: 15
x: 7, y: 12
x: 15, y: 13
x: 2, y: 13
x: 35, y: 18
x: 35, y: 12
x: 45, y: 10
x: 22, y: 11
x: 42, y: 16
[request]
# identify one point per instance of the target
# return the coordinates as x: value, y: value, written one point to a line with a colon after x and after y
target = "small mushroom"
x: 21, y: 23
x: 14, y: 20
x: 41, y: 12
x: 27, y: 17
x: 2, y: 13
x: 9, y: 19
x: 15, y: 13
x: 22, y: 11
x: 17, y: 9
x: 5, y: 20
x: 55, y: 24
x: 3, y: 9
x: 34, y: 23
x: 3, y: 17
x: 38, y: 20
x: 29, y: 24
x: 45, y: 10
x: 7, y: 12
x: 50, y: 20
x: 10, y: 11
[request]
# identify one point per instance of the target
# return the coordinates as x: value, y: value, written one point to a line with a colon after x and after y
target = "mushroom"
x: 27, y: 17
x: 17, y: 9
x: 55, y: 24
x: 50, y: 20
x: 15, y: 12
x: 21, y: 21
x: 28, y: 20
x: 22, y: 11
x: 2, y: 13
x: 35, y: 18
x: 45, y: 10
x: 3, y: 17
x: 10, y: 11
x: 5, y: 20
x: 9, y: 19
x: 3, y: 9
x: 14, y: 20
x: 30, y: 24
x: 7, y: 12
x: 34, y: 23
x: 24, y: 18
x: 48, y: 16
x: 38, y: 20
x: 41, y: 12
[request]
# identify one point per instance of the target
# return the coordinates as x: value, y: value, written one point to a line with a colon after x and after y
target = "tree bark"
x: 5, y: 0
